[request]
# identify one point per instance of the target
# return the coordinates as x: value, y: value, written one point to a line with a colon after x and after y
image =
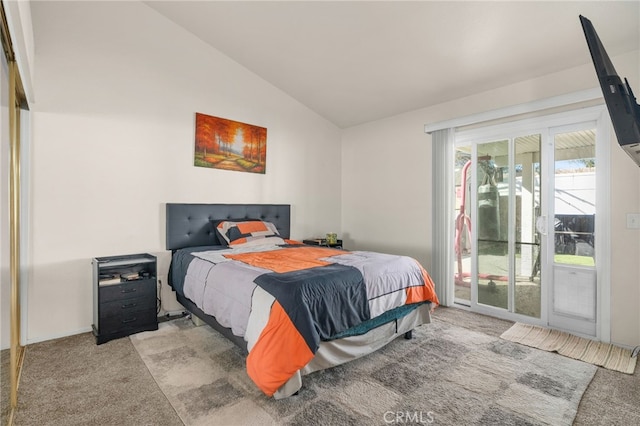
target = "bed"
x: 293, y: 308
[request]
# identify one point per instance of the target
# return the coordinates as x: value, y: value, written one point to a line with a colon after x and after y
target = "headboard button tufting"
x: 191, y: 225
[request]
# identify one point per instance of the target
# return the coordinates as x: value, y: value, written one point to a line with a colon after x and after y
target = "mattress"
x: 286, y: 300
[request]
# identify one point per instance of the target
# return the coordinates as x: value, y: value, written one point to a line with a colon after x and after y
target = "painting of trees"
x: 229, y: 145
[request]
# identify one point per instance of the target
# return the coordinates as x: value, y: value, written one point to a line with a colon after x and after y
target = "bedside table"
x: 124, y: 296
x: 322, y: 242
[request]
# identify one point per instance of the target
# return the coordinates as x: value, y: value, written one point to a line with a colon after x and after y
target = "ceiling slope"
x: 354, y: 62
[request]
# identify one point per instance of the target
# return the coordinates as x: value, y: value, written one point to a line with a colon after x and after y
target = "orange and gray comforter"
x: 285, y: 299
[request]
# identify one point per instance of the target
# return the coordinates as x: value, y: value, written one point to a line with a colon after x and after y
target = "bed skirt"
x: 336, y: 352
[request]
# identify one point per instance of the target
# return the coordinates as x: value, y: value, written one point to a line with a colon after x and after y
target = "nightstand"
x: 124, y: 296
x: 322, y: 242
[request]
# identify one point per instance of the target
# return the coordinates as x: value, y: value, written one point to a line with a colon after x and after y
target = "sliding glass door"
x: 502, y: 183
x: 571, y: 244
x: 524, y: 214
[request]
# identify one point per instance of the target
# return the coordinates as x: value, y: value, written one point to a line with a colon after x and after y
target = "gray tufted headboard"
x: 191, y: 225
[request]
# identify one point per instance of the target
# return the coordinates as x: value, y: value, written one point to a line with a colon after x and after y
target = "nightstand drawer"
x: 128, y: 320
x: 128, y: 289
x: 119, y: 307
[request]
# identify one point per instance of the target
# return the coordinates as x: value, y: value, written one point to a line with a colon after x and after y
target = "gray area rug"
x: 445, y: 375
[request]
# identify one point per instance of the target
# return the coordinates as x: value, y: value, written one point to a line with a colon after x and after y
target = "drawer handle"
x: 129, y: 290
x: 130, y: 305
x: 129, y: 320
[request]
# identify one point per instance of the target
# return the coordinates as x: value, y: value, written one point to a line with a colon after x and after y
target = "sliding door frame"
x: 574, y: 111
x: 17, y: 102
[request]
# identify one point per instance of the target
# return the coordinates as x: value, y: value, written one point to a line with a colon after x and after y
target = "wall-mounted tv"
x: 621, y: 103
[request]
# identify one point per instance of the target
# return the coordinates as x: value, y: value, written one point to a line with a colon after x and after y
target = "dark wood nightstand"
x: 124, y: 296
x: 323, y: 242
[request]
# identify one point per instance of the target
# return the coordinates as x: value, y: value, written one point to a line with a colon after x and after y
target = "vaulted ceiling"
x: 359, y: 61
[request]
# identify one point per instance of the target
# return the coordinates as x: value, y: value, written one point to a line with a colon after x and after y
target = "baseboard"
x: 171, y: 315
x: 58, y: 336
x: 197, y: 321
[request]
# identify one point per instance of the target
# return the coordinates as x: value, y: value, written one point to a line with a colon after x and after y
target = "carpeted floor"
x: 72, y: 381
x: 4, y: 386
x: 446, y: 373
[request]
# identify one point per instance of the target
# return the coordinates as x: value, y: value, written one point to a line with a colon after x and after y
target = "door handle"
x: 541, y: 225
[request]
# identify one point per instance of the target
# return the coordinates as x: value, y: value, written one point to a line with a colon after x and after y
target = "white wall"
x: 117, y: 87
x: 386, y: 183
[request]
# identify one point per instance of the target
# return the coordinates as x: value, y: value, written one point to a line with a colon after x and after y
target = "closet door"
x: 13, y: 101
x: 5, y: 258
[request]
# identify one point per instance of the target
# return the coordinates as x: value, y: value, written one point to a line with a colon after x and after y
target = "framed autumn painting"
x: 229, y: 145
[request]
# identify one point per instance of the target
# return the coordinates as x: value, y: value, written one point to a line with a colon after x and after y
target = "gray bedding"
x: 311, y: 306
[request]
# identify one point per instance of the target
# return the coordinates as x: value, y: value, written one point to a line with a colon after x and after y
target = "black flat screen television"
x: 621, y: 103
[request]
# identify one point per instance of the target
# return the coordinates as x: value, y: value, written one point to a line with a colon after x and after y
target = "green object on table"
x: 332, y: 238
